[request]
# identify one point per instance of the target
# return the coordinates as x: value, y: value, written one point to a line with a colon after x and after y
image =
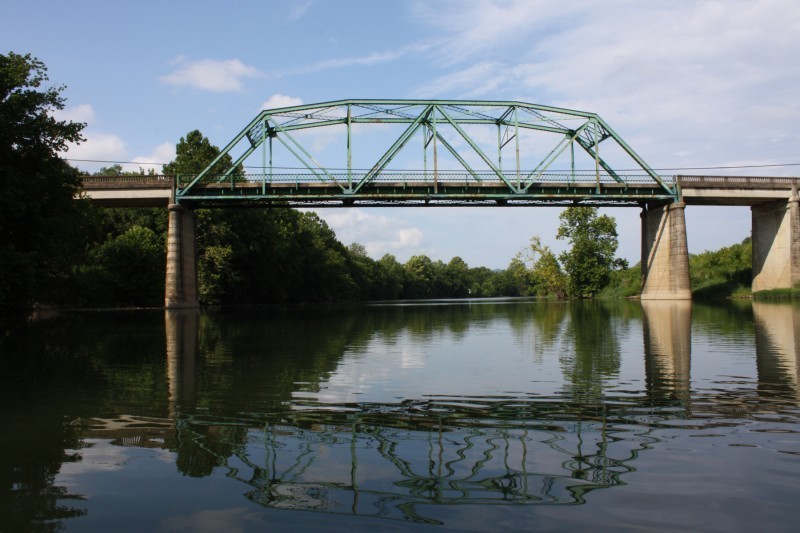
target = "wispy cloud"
x: 211, y: 75
x: 367, y: 60
x: 299, y: 9
x: 475, y: 29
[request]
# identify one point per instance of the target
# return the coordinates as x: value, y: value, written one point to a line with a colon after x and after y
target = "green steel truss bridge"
x: 421, y: 152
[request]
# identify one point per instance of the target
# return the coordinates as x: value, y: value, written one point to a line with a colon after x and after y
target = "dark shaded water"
x: 477, y: 415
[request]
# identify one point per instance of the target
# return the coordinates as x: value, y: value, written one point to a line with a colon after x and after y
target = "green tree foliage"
x: 419, y: 277
x: 41, y: 226
x: 126, y: 269
x: 194, y: 153
x: 457, y: 274
x: 390, y: 278
x: 624, y: 283
x: 544, y: 276
x: 722, y: 273
x: 590, y: 259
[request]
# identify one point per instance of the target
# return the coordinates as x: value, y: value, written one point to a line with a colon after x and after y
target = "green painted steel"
x: 546, y: 165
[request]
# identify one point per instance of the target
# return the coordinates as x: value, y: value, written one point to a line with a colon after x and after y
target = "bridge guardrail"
x: 134, y: 181
x: 430, y: 176
x: 742, y: 182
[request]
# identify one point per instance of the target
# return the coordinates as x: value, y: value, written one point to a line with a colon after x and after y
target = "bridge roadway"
x: 406, y: 189
x: 773, y: 202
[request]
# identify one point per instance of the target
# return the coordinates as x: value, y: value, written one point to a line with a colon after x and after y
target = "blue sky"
x: 685, y: 83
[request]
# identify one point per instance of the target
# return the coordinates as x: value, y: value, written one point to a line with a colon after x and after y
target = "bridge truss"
x: 430, y: 152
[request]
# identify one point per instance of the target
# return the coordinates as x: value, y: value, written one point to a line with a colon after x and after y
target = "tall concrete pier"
x: 665, y: 254
x: 776, y: 244
x: 181, y: 283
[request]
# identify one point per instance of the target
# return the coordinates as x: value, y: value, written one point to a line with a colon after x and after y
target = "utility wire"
x: 718, y: 167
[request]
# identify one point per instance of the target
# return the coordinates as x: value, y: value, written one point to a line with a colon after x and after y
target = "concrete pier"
x: 181, y: 283
x: 776, y: 244
x: 665, y: 255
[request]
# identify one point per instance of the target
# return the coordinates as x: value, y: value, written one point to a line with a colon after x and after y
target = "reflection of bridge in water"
x: 403, y: 460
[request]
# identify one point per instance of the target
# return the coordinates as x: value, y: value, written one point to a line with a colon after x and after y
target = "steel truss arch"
x: 452, y: 128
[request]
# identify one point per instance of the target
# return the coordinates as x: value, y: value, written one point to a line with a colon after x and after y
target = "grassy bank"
x: 778, y: 294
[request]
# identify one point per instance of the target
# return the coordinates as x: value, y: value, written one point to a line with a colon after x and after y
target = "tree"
x: 457, y: 273
x: 194, y: 153
x: 419, y: 274
x: 41, y: 224
x: 134, y: 264
x: 545, y: 275
x: 590, y: 259
x: 391, y: 277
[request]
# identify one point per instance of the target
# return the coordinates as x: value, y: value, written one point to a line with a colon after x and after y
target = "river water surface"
x: 476, y: 415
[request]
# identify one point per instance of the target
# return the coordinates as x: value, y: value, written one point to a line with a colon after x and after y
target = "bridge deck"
x: 735, y: 190
x: 409, y: 190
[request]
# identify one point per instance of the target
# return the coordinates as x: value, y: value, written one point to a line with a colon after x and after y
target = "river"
x: 474, y: 415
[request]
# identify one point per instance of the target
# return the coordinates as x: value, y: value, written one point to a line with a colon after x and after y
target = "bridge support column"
x: 776, y: 244
x: 665, y: 255
x: 181, y: 286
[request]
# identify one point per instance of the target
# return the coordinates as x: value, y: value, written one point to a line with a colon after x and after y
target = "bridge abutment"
x: 181, y: 283
x: 665, y: 254
x: 776, y: 244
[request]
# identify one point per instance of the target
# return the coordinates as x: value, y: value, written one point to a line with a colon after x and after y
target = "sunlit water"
x: 469, y: 415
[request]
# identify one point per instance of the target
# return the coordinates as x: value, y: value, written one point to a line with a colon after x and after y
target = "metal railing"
x: 744, y: 182
x: 99, y: 181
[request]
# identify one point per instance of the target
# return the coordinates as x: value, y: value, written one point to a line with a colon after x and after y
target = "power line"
x: 715, y: 167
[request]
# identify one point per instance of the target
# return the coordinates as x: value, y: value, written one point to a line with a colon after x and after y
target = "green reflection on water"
x: 253, y: 394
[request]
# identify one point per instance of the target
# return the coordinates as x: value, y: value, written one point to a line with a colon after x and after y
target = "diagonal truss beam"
x: 542, y: 167
x: 477, y: 149
x: 305, y: 152
x: 395, y: 148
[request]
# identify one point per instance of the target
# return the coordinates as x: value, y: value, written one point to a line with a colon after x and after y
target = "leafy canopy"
x: 41, y: 225
x: 590, y: 259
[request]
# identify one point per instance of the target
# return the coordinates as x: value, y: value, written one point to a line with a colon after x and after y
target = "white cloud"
x: 163, y: 153
x: 379, y: 234
x: 281, y: 100
x: 80, y: 113
x: 98, y: 147
x: 211, y: 75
